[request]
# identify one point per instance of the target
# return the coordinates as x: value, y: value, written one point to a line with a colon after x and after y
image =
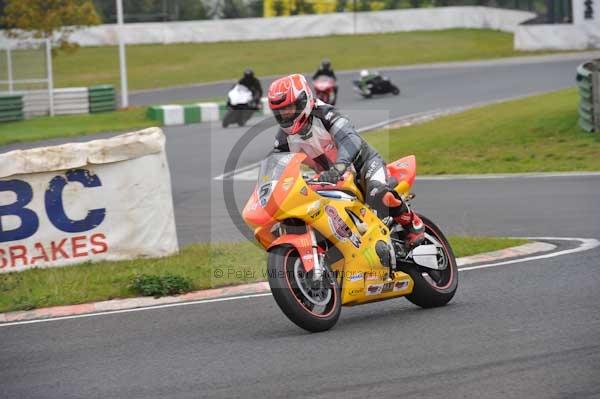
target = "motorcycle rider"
x: 368, y: 77
x: 333, y: 145
x: 325, y: 69
x: 252, y: 83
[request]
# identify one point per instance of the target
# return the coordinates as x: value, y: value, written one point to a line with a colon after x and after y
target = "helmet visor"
x: 287, y: 115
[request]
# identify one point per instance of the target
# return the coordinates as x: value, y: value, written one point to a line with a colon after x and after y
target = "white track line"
x: 170, y: 305
x: 586, y: 245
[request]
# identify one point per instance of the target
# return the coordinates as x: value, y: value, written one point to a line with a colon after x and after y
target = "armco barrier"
x: 169, y: 115
x: 72, y: 100
x: 98, y: 200
x: 36, y: 103
x: 588, y: 83
x: 102, y: 98
x: 11, y: 108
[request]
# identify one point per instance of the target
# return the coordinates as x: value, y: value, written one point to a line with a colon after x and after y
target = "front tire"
x: 433, y: 288
x: 395, y: 90
x: 314, y: 309
x: 228, y: 118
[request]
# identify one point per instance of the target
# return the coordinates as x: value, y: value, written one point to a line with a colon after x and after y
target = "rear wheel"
x: 434, y: 288
x: 312, y: 305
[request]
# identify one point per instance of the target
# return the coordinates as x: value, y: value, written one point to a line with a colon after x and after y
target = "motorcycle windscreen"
x: 272, y: 167
x: 270, y: 171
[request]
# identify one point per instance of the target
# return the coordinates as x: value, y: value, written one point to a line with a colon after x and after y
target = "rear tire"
x: 433, y: 288
x: 287, y: 279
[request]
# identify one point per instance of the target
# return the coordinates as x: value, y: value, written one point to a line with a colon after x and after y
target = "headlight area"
x: 264, y: 192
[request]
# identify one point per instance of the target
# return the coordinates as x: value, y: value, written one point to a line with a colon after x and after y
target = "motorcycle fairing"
x: 293, y: 198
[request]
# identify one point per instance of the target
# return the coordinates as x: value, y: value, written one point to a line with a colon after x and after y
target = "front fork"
x: 317, y: 257
x: 306, y: 245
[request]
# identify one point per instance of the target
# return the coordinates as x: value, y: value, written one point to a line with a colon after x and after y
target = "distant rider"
x: 252, y: 83
x: 333, y: 145
x: 326, y: 70
x: 369, y: 77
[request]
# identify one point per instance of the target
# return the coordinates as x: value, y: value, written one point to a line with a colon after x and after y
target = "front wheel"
x: 228, y: 117
x: 312, y: 305
x: 434, y: 288
x: 395, y: 90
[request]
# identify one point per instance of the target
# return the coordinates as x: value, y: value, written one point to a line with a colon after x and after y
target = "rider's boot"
x: 414, y: 228
x: 411, y: 222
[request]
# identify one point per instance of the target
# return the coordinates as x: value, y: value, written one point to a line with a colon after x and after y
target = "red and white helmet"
x: 292, y: 101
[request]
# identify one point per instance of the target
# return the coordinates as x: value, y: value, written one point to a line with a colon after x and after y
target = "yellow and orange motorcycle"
x: 328, y: 249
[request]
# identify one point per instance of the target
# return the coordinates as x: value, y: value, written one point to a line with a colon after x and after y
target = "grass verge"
x: 152, y: 66
x: 203, y: 265
x: 533, y: 134
x: 45, y: 128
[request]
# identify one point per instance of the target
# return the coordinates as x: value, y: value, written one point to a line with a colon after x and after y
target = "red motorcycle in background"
x: 325, y: 89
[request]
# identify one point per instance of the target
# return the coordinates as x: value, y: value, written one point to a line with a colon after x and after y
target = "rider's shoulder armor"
x: 326, y: 113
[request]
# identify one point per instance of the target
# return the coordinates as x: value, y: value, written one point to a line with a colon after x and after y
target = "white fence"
x: 101, y: 200
x: 557, y: 37
x: 582, y: 34
x: 305, y: 25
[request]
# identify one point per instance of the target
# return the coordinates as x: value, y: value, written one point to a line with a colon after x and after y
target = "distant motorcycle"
x: 241, y: 105
x: 383, y: 85
x: 325, y: 89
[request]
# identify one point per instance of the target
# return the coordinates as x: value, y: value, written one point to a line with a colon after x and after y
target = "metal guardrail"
x: 588, y: 83
x: 102, y: 98
x: 67, y: 101
x: 11, y: 108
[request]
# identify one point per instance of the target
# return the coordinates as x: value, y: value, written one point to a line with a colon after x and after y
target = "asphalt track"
x: 529, y: 329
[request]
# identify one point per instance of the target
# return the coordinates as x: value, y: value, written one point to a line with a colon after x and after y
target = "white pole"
x: 50, y: 75
x: 9, y: 67
x: 122, y: 61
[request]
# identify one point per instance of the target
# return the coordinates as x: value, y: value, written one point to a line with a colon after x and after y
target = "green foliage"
x: 234, y: 9
x: 364, y: 5
x: 191, y: 10
x: 154, y: 285
x: 43, y: 18
x: 278, y: 7
x: 302, y: 7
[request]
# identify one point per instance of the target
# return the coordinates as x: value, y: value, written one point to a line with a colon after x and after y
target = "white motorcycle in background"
x: 241, y: 105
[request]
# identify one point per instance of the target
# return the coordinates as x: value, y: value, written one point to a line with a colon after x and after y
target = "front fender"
x: 303, y: 244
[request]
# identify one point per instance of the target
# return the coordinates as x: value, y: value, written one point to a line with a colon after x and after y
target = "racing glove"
x: 334, y: 174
